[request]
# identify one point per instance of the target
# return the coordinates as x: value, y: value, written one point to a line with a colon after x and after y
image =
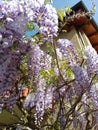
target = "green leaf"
x: 49, y: 75
x: 68, y: 10
x: 61, y: 14
x: 48, y: 1
x: 69, y: 74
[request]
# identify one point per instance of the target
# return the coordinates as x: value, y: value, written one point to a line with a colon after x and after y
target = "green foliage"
x: 69, y: 74
x: 64, y: 66
x: 48, y: 1
x: 2, y: 23
x: 24, y: 67
x: 68, y: 10
x: 49, y: 75
x: 61, y: 14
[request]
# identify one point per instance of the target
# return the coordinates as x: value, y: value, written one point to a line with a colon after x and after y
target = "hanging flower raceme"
x: 41, y: 100
x: 94, y: 95
x: 47, y: 19
x: 13, y: 8
x: 34, y: 63
x: 42, y: 81
x: 9, y: 9
x: 7, y: 85
x: 49, y: 97
x: 37, y: 100
x: 92, y: 60
x: 17, y: 13
x: 39, y: 105
x: 68, y: 51
x: 81, y: 77
x: 14, y: 16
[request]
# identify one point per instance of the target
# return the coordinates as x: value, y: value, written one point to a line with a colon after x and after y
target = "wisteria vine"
x: 43, y: 77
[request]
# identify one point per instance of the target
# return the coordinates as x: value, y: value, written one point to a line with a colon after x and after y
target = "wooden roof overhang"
x: 88, y: 25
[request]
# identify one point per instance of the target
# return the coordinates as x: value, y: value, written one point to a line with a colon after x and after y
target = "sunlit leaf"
x: 61, y: 14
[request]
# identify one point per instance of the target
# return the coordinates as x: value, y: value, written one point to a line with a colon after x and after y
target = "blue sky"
x: 61, y: 3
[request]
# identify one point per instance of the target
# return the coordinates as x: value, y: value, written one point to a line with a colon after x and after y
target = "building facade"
x: 82, y: 31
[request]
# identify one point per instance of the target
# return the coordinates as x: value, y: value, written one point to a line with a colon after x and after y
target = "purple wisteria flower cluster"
x: 44, y: 86
x: 46, y: 18
x: 68, y: 50
x: 44, y: 15
x: 92, y: 60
